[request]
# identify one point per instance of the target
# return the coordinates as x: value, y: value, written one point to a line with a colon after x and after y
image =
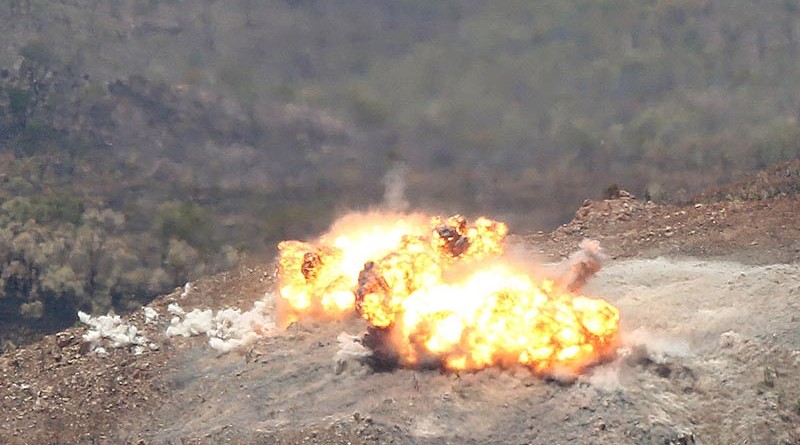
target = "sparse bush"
x: 33, y: 309
x: 611, y: 192
x: 777, y: 142
x: 63, y: 281
x: 183, y: 261
x: 40, y: 138
x: 40, y: 53
x: 45, y: 209
x: 19, y: 100
x: 186, y: 221
x: 19, y: 186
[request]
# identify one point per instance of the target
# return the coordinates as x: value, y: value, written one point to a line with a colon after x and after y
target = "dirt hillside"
x: 708, y: 293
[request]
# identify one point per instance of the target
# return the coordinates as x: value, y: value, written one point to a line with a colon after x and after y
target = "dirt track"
x: 709, y: 303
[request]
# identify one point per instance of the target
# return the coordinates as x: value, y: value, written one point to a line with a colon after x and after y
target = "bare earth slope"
x: 709, y: 297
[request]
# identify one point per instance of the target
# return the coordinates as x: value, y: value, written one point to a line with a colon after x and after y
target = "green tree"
x: 186, y: 221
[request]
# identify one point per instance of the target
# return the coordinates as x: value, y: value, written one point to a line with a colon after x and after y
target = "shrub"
x: 19, y: 100
x: 188, y: 222
x: 45, y: 209
x: 39, y: 53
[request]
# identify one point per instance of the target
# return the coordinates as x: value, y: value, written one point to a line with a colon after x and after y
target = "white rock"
x: 730, y: 340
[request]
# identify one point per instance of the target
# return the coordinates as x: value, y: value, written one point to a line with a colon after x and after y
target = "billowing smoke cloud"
x: 575, y: 271
x: 394, y: 183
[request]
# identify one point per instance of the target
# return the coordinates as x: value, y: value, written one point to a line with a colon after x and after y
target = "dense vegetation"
x: 147, y: 141
x: 110, y: 195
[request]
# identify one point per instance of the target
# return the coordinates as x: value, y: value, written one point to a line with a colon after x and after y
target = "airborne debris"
x: 576, y: 270
x: 452, y: 234
x: 311, y: 264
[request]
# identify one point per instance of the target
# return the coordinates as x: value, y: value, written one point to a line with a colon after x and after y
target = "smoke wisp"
x: 394, y: 183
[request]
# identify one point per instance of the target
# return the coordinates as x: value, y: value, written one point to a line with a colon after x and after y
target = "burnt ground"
x: 709, y: 294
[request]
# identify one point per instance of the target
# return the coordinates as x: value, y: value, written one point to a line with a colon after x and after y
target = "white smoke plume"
x: 186, y: 289
x: 575, y: 271
x: 196, y: 322
x: 175, y: 309
x: 109, y: 331
x: 227, y: 329
x: 150, y: 315
x: 394, y: 183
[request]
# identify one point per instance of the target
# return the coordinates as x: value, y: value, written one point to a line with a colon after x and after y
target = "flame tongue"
x: 443, y: 292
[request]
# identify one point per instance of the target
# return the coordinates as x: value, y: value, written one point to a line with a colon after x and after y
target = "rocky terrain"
x: 708, y: 295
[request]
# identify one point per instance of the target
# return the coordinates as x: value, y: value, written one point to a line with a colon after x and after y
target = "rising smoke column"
x: 394, y: 183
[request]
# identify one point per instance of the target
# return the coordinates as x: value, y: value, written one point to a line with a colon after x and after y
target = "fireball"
x: 442, y: 291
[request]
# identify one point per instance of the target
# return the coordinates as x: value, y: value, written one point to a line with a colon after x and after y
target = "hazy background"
x: 144, y: 143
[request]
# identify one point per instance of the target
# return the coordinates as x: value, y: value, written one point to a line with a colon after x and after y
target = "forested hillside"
x: 146, y: 142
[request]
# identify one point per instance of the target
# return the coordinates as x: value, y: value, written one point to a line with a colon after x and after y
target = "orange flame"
x: 444, y: 291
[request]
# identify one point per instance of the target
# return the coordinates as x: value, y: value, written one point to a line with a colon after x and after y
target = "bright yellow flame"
x: 444, y: 292
x: 318, y: 279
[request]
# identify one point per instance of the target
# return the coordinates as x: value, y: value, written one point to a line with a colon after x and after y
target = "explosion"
x: 441, y: 291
